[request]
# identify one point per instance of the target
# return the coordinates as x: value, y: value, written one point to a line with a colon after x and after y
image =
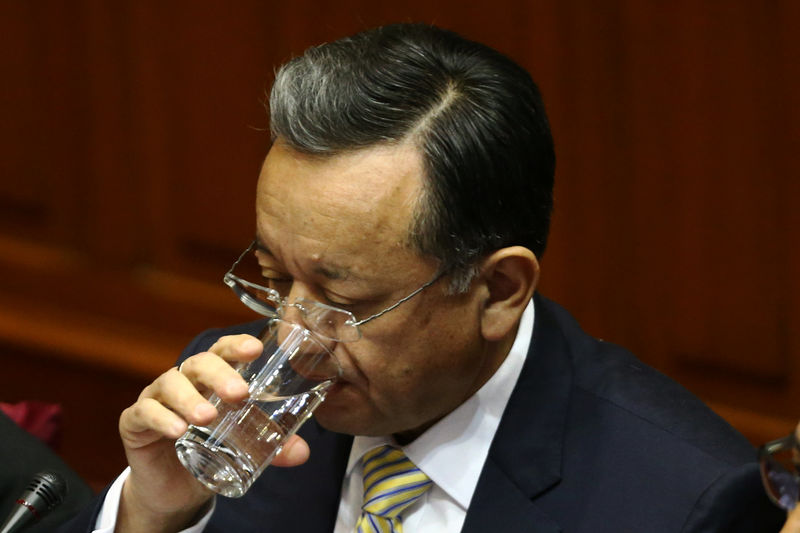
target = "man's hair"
x: 476, y: 117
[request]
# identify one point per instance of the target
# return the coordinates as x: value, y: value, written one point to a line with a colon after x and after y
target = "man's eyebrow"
x: 338, y: 274
x: 262, y: 248
x: 331, y: 272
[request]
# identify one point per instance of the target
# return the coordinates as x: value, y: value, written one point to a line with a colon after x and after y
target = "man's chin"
x: 339, y: 422
x: 346, y: 411
x: 341, y: 411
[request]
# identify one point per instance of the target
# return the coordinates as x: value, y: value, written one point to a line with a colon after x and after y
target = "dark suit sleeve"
x: 84, y: 522
x: 735, y: 503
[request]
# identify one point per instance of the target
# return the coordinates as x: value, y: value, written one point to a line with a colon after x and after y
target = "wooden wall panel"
x: 133, y: 133
x: 674, y: 192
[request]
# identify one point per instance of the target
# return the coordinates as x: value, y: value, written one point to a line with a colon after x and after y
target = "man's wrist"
x: 135, y: 517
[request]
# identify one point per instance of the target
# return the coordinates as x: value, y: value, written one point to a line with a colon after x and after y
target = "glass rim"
x: 276, y: 322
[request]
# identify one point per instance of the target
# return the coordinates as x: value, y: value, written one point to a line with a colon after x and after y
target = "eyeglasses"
x: 330, y: 322
x: 779, y: 461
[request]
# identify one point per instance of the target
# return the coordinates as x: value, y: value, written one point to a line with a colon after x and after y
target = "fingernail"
x: 250, y: 345
x: 236, y: 387
x: 203, y: 410
x: 178, y: 427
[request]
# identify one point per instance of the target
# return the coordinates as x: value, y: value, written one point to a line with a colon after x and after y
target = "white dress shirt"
x: 451, y: 453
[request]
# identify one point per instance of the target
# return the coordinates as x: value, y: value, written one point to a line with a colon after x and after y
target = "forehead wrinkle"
x: 355, y: 223
x: 334, y: 273
x: 360, y: 216
x: 321, y: 265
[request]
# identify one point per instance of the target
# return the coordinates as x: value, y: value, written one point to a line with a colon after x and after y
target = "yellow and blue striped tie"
x: 391, y: 483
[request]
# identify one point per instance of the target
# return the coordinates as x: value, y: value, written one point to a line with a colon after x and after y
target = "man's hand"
x: 160, y: 495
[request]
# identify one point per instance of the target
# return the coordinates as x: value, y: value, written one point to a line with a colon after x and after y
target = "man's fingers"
x: 165, y: 408
x: 295, y: 452
x: 212, y: 370
x: 208, y: 370
x: 173, y: 400
x: 150, y: 416
x: 237, y: 347
x: 176, y: 392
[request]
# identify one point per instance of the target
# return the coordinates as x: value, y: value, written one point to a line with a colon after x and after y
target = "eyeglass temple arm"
x: 376, y: 315
x: 239, y: 259
x: 771, y: 447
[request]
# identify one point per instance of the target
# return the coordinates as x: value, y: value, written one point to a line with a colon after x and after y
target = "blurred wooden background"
x: 132, y: 133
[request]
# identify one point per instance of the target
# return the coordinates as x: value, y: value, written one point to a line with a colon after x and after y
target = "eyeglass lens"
x: 779, y: 461
x: 268, y: 297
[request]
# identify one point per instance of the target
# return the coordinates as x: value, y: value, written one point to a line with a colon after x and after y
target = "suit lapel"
x: 525, y: 456
x: 524, y: 459
x: 499, y: 505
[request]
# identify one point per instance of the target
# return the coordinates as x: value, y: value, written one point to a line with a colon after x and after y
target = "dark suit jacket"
x: 592, y: 440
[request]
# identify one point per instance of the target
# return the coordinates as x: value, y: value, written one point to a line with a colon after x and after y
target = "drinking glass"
x: 286, y: 383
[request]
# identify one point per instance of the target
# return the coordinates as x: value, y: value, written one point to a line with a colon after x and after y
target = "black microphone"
x: 45, y: 491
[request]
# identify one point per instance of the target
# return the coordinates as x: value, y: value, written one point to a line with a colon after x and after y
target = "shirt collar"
x: 467, y: 432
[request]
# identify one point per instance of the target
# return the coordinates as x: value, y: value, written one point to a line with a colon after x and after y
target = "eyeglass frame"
x: 233, y: 281
x: 768, y: 450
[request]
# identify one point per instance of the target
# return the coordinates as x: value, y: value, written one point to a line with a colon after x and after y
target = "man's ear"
x: 510, y: 275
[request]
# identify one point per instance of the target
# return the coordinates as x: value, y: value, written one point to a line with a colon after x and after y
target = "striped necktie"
x: 391, y: 484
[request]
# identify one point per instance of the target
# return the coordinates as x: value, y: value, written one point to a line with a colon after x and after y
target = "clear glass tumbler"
x: 286, y: 383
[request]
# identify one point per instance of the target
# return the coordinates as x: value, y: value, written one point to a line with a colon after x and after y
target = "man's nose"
x: 293, y: 309
x: 299, y: 309
x: 304, y: 353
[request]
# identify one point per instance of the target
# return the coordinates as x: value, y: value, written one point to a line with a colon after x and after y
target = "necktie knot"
x: 391, y: 484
